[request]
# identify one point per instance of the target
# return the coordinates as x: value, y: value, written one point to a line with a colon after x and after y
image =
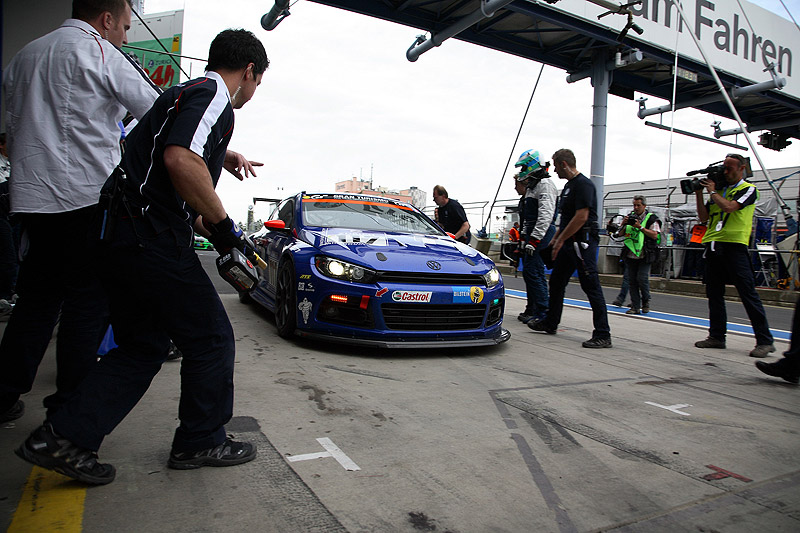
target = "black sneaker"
x: 524, y: 318
x: 778, y: 370
x: 16, y: 411
x: 541, y: 325
x: 710, y: 342
x: 616, y: 303
x: 228, y: 453
x: 597, y: 342
x: 46, y: 449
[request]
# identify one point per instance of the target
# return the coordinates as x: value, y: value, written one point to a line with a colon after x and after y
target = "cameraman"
x: 729, y: 217
x: 537, y: 211
x: 642, y: 231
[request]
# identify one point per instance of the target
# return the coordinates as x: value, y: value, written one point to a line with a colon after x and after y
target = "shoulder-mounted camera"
x: 715, y: 172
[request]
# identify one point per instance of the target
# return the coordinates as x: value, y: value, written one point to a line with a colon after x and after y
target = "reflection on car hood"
x: 400, y: 251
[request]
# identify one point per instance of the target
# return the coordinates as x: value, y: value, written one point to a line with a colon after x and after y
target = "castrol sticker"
x: 412, y: 296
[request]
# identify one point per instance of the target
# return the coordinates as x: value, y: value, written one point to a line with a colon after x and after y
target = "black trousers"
x: 8, y: 259
x: 730, y: 263
x: 56, y: 276
x: 585, y: 261
x: 158, y: 291
x: 791, y: 357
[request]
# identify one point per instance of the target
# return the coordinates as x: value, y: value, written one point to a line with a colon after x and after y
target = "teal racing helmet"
x: 530, y: 162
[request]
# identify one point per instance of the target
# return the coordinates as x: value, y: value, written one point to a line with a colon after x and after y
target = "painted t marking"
x: 722, y: 474
x: 331, y: 450
x: 674, y: 408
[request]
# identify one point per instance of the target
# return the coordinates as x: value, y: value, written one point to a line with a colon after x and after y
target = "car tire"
x: 286, y: 301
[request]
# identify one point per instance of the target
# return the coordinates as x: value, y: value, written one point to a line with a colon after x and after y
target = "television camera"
x: 715, y: 172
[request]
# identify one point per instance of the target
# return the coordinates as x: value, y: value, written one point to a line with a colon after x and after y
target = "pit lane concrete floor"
x: 536, y: 435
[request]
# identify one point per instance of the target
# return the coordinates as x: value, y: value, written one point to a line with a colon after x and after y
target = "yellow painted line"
x: 50, y: 502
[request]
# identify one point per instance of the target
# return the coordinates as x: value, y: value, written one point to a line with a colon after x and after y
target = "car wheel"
x: 286, y: 301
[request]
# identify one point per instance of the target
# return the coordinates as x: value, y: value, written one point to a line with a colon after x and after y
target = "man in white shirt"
x: 64, y: 94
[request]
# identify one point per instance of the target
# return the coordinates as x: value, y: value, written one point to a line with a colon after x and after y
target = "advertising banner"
x: 163, y: 68
x: 740, y: 38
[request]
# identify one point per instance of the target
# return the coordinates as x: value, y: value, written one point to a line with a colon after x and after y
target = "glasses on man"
x: 737, y: 157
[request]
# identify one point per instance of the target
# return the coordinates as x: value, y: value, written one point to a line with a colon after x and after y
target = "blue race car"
x: 374, y: 271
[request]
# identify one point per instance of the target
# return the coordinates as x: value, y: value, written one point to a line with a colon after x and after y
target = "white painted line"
x: 308, y: 456
x: 331, y: 451
x: 674, y: 408
x: 338, y: 454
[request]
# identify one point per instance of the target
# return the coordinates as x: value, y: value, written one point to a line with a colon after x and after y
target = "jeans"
x: 535, y: 285
x: 639, y: 276
x: 56, y: 276
x: 158, y: 291
x: 731, y: 262
x: 535, y: 281
x: 585, y: 260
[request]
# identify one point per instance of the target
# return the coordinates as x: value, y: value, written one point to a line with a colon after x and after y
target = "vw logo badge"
x: 433, y: 265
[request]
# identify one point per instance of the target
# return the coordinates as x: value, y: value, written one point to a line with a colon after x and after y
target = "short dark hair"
x: 738, y: 157
x: 235, y: 49
x: 89, y: 9
x: 566, y: 155
x: 441, y: 191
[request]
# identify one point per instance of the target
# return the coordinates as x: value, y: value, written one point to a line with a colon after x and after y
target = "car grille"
x: 431, y: 278
x: 428, y: 317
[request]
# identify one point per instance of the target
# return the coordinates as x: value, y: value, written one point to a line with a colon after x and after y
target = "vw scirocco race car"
x: 371, y: 270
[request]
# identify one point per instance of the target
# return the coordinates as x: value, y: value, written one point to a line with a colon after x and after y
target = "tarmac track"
x: 537, y: 434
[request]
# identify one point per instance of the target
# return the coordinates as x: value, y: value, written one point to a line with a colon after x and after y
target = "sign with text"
x: 163, y: 68
x: 740, y: 43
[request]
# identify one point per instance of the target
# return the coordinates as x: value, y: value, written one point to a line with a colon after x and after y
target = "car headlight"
x: 492, y: 277
x: 335, y: 268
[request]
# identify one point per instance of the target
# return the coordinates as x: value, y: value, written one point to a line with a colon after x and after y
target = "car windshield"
x: 365, y: 213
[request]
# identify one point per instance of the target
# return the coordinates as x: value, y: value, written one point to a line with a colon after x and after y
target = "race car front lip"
x: 502, y: 336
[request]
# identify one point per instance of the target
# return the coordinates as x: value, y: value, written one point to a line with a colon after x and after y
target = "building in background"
x: 412, y: 195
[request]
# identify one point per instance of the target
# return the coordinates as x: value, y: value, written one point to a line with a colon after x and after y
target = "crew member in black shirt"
x: 452, y: 217
x: 157, y: 286
x: 575, y: 247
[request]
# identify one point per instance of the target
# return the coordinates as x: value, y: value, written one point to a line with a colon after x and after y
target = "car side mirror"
x: 275, y: 225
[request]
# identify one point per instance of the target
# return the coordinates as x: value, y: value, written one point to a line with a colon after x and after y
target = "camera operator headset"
x: 729, y: 215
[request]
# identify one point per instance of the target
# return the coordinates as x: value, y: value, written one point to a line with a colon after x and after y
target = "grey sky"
x: 340, y: 97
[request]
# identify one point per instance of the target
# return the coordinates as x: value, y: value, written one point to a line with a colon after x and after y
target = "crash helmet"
x: 530, y: 162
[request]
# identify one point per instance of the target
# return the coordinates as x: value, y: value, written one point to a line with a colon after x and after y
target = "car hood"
x: 397, y: 251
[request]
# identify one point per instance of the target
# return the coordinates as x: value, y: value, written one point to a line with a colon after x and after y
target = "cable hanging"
x: 170, y: 54
x: 482, y: 233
